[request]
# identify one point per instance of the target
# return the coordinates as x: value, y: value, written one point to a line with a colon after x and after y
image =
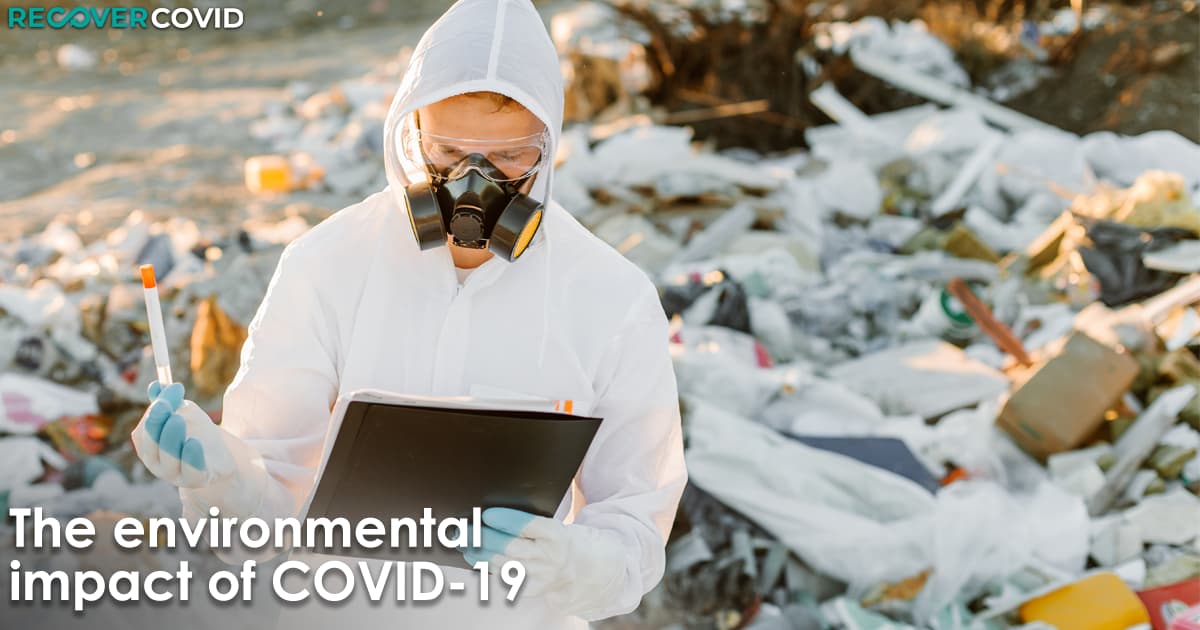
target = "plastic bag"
x: 981, y: 534
x: 849, y: 520
x: 1115, y: 259
x: 816, y: 406
x: 21, y: 461
x: 739, y: 346
x: 28, y: 403
x: 770, y: 324
x: 727, y: 383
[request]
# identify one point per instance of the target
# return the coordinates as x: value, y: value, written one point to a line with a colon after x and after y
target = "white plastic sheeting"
x: 863, y: 525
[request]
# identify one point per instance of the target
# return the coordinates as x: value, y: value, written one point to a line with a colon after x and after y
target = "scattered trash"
x: 77, y: 437
x: 1061, y: 402
x: 278, y: 174
x: 22, y: 461
x: 1114, y: 258
x: 75, y: 57
x: 1136, y: 445
x: 979, y: 312
x: 887, y: 453
x: 1168, y: 604
x: 941, y: 269
x: 73, y: 341
x: 1182, y: 257
x: 1186, y: 619
x: 1098, y: 602
x: 28, y: 403
x: 1115, y: 541
x: 940, y: 91
x: 216, y: 346
x: 798, y: 493
x: 852, y: 616
x: 1172, y: 518
x: 925, y: 378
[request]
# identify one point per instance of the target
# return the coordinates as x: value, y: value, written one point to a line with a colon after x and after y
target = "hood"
x: 497, y: 46
x: 481, y: 46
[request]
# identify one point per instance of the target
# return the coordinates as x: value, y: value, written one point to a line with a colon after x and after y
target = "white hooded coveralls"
x: 355, y: 304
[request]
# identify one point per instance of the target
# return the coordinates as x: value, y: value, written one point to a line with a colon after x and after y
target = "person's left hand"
x: 574, y: 567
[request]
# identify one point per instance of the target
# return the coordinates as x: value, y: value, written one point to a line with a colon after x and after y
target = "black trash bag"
x: 1114, y: 258
x: 676, y: 298
x: 732, y: 309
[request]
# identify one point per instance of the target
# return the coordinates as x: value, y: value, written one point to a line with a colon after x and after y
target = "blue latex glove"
x: 577, y: 569
x: 178, y: 442
x: 168, y: 429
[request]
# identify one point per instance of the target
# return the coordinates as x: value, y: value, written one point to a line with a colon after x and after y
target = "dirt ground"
x: 160, y: 124
x: 1137, y: 73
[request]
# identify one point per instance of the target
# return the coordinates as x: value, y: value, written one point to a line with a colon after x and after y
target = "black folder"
x: 392, y: 460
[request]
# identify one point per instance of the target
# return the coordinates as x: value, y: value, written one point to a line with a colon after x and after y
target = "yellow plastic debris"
x: 1097, y: 602
x: 268, y: 173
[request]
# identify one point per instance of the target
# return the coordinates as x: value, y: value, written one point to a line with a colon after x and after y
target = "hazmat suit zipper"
x: 451, y: 344
x: 453, y: 336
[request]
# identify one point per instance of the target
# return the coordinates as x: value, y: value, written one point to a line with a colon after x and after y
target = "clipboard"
x: 389, y: 456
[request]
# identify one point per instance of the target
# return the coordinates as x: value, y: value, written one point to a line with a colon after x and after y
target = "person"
x: 463, y: 277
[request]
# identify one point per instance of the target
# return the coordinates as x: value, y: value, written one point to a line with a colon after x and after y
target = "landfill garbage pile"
x: 943, y: 417
x: 326, y: 139
x: 74, y: 363
x: 938, y: 369
x: 74, y: 354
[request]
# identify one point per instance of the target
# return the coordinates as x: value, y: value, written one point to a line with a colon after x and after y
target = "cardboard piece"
x: 1056, y: 405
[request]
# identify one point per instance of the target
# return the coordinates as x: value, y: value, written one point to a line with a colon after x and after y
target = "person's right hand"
x: 179, y: 443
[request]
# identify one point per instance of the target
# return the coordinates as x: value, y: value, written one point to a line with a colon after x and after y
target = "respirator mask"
x: 476, y: 192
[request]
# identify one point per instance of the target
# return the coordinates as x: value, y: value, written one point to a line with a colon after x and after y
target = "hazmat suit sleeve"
x: 279, y: 402
x: 633, y: 476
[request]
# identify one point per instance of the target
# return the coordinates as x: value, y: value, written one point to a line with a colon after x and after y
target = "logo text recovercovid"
x: 37, y: 18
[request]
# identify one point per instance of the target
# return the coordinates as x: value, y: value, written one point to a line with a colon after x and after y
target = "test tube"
x: 158, y: 334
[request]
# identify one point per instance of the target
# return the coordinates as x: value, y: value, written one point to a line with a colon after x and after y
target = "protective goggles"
x: 507, y: 160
